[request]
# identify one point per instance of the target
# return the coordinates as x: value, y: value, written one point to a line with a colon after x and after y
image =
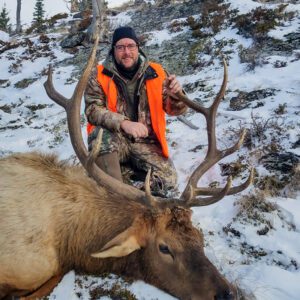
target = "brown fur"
x: 53, y: 217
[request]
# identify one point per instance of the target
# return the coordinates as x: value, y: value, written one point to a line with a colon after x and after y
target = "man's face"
x: 126, y: 53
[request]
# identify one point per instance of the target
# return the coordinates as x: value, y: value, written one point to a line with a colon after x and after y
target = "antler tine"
x: 151, y: 201
x: 203, y: 201
x: 191, y: 194
x: 57, y: 97
x: 204, y: 191
x: 95, y: 150
x: 72, y: 107
x: 211, y: 117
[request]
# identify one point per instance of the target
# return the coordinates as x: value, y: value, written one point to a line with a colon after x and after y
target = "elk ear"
x: 122, y: 245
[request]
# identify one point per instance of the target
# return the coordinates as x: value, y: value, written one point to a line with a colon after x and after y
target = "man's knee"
x: 110, y: 164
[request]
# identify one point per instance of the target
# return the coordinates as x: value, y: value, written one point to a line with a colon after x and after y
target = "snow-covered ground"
x: 276, y: 274
x: 51, y: 7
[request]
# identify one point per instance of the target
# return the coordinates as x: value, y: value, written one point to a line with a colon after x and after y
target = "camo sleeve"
x: 95, y: 106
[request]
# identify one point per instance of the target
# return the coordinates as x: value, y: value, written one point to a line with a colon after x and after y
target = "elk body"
x: 54, y: 218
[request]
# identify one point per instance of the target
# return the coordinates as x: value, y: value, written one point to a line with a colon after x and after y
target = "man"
x: 128, y: 96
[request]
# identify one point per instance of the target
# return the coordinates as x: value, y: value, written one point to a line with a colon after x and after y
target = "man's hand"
x: 171, y: 85
x: 136, y: 129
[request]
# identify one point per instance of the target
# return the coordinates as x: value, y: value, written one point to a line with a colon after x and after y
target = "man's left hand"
x: 171, y: 85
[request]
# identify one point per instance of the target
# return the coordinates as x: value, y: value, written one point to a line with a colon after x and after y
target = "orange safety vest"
x: 155, y: 100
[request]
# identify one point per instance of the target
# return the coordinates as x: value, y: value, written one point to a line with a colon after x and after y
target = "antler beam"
x: 193, y: 195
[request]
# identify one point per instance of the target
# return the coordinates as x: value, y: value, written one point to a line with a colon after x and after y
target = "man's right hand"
x: 136, y: 129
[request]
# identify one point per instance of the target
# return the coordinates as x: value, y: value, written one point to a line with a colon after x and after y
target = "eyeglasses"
x: 130, y: 47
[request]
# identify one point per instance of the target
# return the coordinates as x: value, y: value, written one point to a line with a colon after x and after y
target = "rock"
x: 24, y: 83
x: 282, y: 163
x: 6, y: 108
x: 198, y: 85
x: 57, y: 17
x: 296, y: 144
x: 139, y: 2
x: 293, y: 39
x: 44, y: 39
x: 83, y: 14
x: 243, y: 99
x: 80, y: 25
x: 35, y: 107
x: 271, y: 46
x: 73, y: 40
x: 4, y: 83
x: 155, y: 16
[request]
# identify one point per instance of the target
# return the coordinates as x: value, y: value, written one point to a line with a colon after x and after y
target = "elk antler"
x: 72, y: 108
x: 192, y: 194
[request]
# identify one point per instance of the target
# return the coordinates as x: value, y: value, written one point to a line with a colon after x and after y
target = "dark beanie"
x: 124, y: 32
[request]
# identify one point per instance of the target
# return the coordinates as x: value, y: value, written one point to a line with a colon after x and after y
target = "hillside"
x: 253, y: 237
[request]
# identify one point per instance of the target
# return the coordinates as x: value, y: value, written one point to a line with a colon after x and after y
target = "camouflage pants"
x: 136, y: 158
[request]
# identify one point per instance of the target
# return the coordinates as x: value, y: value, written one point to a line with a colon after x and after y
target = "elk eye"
x: 164, y: 249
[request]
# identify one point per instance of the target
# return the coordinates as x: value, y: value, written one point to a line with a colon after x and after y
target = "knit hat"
x: 124, y: 32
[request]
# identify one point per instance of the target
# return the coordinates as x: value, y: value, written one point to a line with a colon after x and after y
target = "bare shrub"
x: 263, y: 135
x: 270, y: 184
x: 259, y: 21
x: 214, y: 15
x: 281, y: 109
x: 252, y: 56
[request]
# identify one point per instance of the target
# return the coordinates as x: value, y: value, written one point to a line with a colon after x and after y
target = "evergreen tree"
x: 4, y: 19
x: 38, y: 14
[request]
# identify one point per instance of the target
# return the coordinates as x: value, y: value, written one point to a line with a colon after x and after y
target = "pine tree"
x: 4, y: 20
x: 38, y: 14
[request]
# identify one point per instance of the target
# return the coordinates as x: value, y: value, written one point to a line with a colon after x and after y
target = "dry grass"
x: 253, y: 207
x: 116, y: 292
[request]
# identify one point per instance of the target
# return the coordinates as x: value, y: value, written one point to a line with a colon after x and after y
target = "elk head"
x: 170, y: 249
x: 170, y: 255
x: 177, y: 262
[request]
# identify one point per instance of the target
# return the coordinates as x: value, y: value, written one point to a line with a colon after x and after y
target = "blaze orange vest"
x: 155, y: 100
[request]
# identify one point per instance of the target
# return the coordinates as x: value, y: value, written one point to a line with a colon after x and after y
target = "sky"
x: 271, y: 276
x: 51, y: 7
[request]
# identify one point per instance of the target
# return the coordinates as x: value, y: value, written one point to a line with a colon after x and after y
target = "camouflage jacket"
x: 128, y: 90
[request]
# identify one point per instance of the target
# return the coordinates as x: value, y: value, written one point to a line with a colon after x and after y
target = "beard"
x: 128, y: 72
x: 124, y: 67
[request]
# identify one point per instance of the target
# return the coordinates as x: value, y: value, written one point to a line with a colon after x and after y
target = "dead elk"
x: 55, y: 218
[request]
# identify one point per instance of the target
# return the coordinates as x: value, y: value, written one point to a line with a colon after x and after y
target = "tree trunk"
x: 18, y: 17
x: 99, y: 12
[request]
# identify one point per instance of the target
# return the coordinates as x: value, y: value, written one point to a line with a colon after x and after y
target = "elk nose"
x: 225, y: 295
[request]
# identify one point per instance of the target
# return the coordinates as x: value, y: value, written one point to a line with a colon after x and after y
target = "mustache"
x: 127, y: 56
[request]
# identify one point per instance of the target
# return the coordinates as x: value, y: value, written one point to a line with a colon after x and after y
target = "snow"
x: 157, y: 37
x: 245, y: 6
x: 51, y: 7
x: 4, y: 37
x: 262, y: 278
x: 119, y: 20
